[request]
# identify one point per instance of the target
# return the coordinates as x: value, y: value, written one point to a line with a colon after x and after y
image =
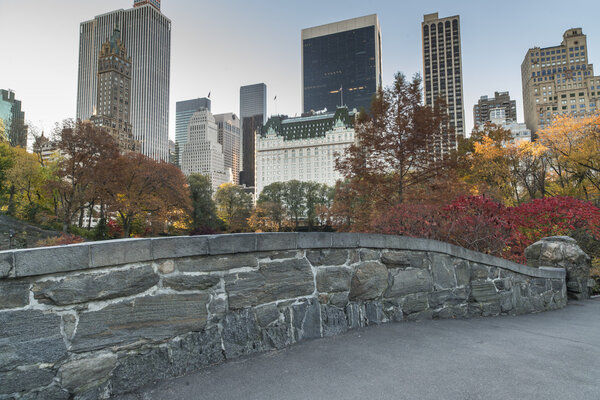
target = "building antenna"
x: 275, y: 100
x: 341, y: 96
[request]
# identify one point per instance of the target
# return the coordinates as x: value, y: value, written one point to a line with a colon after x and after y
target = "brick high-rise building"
x: 113, y: 102
x: 481, y: 110
x: 559, y: 80
x: 442, y: 74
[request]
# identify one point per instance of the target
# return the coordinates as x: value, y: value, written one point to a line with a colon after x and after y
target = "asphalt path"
x: 551, y: 355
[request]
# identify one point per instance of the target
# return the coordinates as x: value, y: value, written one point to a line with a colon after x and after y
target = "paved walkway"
x: 552, y: 355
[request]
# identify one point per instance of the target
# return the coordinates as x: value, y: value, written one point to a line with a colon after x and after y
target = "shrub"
x: 61, y: 240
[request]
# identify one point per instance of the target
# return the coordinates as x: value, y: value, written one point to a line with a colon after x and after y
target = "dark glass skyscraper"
x: 13, y: 118
x: 341, y: 63
x: 253, y: 114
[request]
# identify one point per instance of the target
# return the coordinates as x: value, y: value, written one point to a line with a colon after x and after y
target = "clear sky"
x: 219, y: 45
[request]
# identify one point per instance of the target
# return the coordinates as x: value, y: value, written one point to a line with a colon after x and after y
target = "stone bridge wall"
x: 92, y: 320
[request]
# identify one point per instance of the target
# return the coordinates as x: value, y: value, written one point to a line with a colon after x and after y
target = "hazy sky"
x: 219, y: 45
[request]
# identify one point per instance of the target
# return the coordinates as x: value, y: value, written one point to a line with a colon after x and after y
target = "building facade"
x: 202, y: 152
x: 302, y: 148
x: 442, y: 74
x: 183, y: 112
x: 481, y: 110
x: 341, y: 64
x: 519, y: 131
x: 559, y: 80
x: 13, y: 118
x: 113, y: 102
x: 253, y: 115
x: 146, y: 34
x: 228, y: 127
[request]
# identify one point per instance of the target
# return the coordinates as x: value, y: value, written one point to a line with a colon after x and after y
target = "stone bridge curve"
x: 98, y: 319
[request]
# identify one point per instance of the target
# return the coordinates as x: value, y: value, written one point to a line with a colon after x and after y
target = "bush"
x: 61, y: 240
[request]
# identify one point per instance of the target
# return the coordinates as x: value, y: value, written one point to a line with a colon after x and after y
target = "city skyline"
x: 274, y: 49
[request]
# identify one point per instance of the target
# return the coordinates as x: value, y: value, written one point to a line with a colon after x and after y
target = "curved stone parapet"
x: 104, y: 318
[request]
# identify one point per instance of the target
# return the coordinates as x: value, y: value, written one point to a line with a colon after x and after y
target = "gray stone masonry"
x: 563, y: 252
x: 90, y: 321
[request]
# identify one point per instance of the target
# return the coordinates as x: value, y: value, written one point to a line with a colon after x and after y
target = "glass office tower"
x: 253, y: 114
x: 341, y: 64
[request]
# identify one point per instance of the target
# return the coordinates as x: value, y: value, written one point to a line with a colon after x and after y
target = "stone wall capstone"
x: 90, y: 321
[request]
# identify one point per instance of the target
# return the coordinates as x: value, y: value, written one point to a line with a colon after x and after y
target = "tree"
x: 294, y: 197
x: 204, y: 211
x: 395, y: 142
x: 26, y: 179
x: 144, y: 188
x: 270, y: 210
x: 233, y: 206
x: 85, y: 151
x: 574, y: 154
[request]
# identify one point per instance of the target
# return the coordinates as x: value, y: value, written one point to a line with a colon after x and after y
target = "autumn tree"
x: 393, y: 147
x: 233, y: 206
x: 85, y: 151
x: 204, y: 211
x: 145, y: 188
x: 270, y: 212
x: 574, y: 155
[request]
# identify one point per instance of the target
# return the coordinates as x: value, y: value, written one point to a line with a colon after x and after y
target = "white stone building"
x: 302, y: 148
x: 519, y: 131
x: 202, y: 153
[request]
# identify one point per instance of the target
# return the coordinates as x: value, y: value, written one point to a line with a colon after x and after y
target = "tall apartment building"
x: 228, y: 127
x: 253, y: 114
x: 202, y: 152
x: 481, y: 110
x: 559, y: 80
x: 13, y: 118
x: 302, y: 148
x: 341, y: 63
x: 183, y: 112
x: 442, y: 73
x: 146, y: 34
x: 519, y: 131
x: 113, y: 102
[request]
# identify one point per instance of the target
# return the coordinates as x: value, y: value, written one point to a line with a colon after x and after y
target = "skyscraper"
x: 228, y: 128
x: 183, y: 112
x: 114, y: 92
x: 342, y: 59
x: 253, y: 113
x: 481, y: 110
x: 202, y: 152
x: 13, y: 119
x: 442, y: 72
x: 559, y: 80
x: 146, y: 34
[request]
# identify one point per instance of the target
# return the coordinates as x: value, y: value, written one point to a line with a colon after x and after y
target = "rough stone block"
x: 414, y: 303
x: 479, y: 272
x: 233, y: 243
x: 195, y: 350
x: 506, y: 301
x: 267, y: 314
x: 29, y: 337
x: 314, y: 240
x: 306, y: 320
x: 462, y: 271
x: 483, y: 292
x: 457, y: 311
x: 241, y: 334
x: 354, y: 315
x: 20, y: 381
x: 370, y: 280
x: 369, y: 255
x: 121, y: 251
x: 6, y: 264
x: 409, y: 281
x: 404, y: 259
x: 278, y: 255
x: 442, y: 269
x: 374, y: 313
x: 278, y: 336
x: 51, y: 392
x: 217, y: 263
x: 276, y: 241
x: 339, y: 299
x: 183, y: 246
x: 13, y: 294
x: 345, y: 240
x: 276, y: 280
x: 79, y: 375
x: 334, y: 321
x: 447, y: 297
x: 48, y: 260
x: 82, y: 288
x: 333, y: 279
x: 150, y: 317
x: 137, y: 369
x: 327, y: 257
x: 190, y: 282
